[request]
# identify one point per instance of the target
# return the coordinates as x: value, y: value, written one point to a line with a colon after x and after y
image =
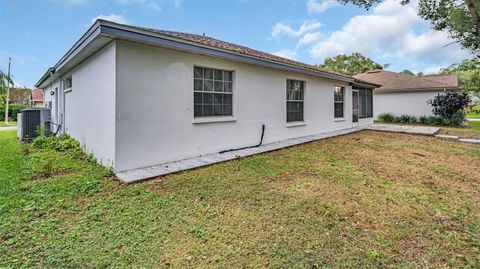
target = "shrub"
x: 47, y: 167
x: 13, y: 110
x: 423, y: 120
x: 448, y: 104
x: 407, y: 119
x: 386, y: 117
x: 63, y: 143
x: 431, y: 120
x: 456, y: 120
x: 475, y: 109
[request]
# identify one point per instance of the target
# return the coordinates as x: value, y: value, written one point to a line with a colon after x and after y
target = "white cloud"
x: 112, y: 17
x: 433, y: 69
x: 315, y: 6
x: 309, y: 38
x: 390, y: 32
x: 148, y: 4
x: 280, y: 29
x: 286, y: 53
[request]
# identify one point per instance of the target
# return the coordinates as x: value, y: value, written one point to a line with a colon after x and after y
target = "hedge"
x: 456, y: 120
x: 13, y: 110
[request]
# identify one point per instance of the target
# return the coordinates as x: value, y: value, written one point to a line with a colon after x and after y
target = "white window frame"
x: 300, y: 122
x: 338, y: 102
x: 69, y: 89
x: 214, y: 118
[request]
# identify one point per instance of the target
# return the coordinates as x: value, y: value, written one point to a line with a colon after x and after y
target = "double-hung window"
x: 339, y: 101
x: 212, y: 92
x: 295, y: 97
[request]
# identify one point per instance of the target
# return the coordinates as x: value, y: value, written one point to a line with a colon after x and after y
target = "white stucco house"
x: 406, y: 94
x: 136, y: 97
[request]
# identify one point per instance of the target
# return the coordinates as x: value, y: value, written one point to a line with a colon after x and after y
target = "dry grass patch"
x: 364, y: 200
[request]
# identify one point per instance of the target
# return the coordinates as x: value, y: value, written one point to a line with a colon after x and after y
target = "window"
x: 212, y: 92
x: 338, y: 99
x: 369, y: 103
x: 362, y: 103
x: 365, y: 102
x: 67, y: 82
x: 295, y: 95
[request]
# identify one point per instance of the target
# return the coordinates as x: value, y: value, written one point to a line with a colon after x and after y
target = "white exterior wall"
x: 399, y: 103
x: 48, y: 97
x: 154, y: 107
x: 90, y: 105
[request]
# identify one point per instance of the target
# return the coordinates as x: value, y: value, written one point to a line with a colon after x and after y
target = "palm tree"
x: 4, y: 79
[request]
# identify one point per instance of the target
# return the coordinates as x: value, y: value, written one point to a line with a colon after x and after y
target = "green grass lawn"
x: 472, y: 131
x: 10, y: 123
x: 363, y: 200
x: 473, y: 116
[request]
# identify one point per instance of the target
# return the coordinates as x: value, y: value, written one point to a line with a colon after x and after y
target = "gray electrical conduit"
x: 249, y: 147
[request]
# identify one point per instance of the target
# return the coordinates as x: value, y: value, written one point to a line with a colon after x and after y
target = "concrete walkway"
x: 8, y: 128
x: 418, y: 130
x: 172, y: 167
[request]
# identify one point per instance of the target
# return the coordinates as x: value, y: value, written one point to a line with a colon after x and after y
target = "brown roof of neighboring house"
x: 448, y: 79
x: 395, y: 82
x: 37, y: 95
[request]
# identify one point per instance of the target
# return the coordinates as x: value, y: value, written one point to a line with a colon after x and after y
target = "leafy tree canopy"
x: 411, y: 73
x: 4, y: 79
x: 468, y: 72
x: 408, y: 72
x: 460, y: 18
x: 351, y: 64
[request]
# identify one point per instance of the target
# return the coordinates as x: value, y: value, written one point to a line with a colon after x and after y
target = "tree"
x: 4, y: 79
x: 411, y: 73
x: 408, y: 72
x: 351, y: 64
x: 468, y: 72
x: 449, y: 104
x: 460, y: 18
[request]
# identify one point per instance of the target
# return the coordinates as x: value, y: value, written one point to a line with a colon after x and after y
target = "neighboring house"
x: 474, y: 98
x: 407, y: 94
x: 136, y: 97
x: 36, y: 98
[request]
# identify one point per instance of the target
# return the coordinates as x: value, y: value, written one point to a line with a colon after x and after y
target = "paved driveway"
x: 8, y: 128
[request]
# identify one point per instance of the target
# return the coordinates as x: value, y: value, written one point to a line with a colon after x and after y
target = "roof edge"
x: 417, y: 89
x: 115, y: 30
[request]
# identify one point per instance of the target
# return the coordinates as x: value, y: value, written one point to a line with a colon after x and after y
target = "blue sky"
x: 36, y: 33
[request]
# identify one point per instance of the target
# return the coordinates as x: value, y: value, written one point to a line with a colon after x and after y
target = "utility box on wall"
x: 33, y: 122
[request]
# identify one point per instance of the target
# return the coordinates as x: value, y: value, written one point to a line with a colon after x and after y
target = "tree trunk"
x: 473, y: 9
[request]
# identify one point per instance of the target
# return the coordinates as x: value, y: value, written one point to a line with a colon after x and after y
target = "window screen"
x: 212, y: 92
x: 295, y: 96
x: 365, y: 102
x: 369, y: 103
